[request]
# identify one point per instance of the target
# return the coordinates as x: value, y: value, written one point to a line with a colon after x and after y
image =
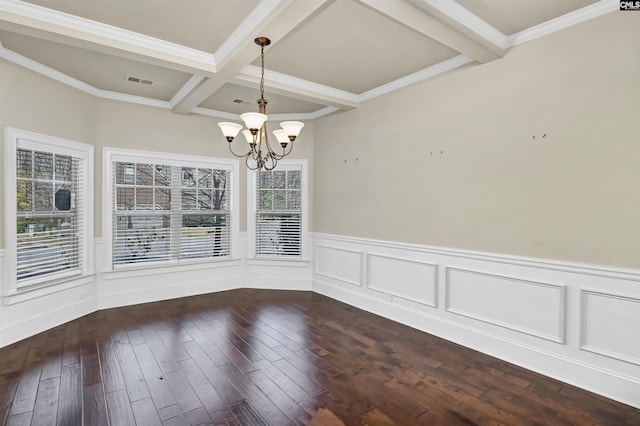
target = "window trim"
x: 46, y: 143
x: 303, y: 166
x: 111, y: 155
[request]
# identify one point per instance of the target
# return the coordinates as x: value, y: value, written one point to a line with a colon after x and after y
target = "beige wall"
x: 29, y: 101
x: 32, y: 102
x: 573, y: 195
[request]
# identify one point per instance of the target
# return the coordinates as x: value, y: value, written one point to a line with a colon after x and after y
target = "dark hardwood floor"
x: 255, y: 357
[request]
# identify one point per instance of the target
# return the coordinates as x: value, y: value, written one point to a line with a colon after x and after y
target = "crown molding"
x: 132, y: 99
x: 93, y: 30
x: 44, y: 70
x: 322, y: 112
x: 304, y: 116
x: 39, y: 68
x: 216, y: 114
x: 561, y: 22
x: 193, y: 82
x: 272, y: 117
x: 439, y: 68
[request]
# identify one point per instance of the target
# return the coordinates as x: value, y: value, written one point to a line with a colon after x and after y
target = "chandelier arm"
x: 262, y: 134
x: 284, y: 151
x: 246, y: 161
x: 266, y: 140
x: 272, y: 151
x: 237, y: 155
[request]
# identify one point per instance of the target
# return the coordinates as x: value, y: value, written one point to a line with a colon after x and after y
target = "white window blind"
x: 278, y: 216
x: 167, y: 212
x: 49, y: 215
x: 205, y: 230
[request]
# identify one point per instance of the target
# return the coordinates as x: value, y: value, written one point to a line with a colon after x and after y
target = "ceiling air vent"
x: 139, y: 80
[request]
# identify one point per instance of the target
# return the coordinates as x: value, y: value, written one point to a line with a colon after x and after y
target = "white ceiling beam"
x: 414, y: 16
x: 271, y: 18
x: 40, y: 22
x: 464, y: 21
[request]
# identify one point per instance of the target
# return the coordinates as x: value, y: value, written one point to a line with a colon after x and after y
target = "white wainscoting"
x: 32, y: 312
x: 574, y: 322
x: 130, y: 286
x: 577, y: 323
x: 28, y: 313
x: 278, y: 274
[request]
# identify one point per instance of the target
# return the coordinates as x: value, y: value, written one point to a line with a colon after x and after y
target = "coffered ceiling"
x: 198, y: 56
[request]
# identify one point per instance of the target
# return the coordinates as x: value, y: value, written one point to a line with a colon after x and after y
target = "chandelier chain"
x: 262, y: 72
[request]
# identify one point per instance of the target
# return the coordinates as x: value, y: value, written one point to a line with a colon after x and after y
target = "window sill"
x: 165, y: 267
x: 33, y: 292
x: 276, y: 261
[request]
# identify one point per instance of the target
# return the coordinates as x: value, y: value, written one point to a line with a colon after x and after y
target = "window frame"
x: 290, y: 164
x: 15, y: 139
x: 113, y: 155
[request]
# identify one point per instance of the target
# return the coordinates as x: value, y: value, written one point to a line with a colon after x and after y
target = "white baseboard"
x: 279, y: 284
x: 44, y: 320
x: 575, y: 323
x: 137, y: 296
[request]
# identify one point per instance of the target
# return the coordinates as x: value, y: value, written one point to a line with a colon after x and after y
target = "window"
x: 169, y: 208
x: 49, y: 217
x: 278, y: 199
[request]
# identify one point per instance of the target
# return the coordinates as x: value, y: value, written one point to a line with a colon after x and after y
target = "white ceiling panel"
x: 512, y: 16
x: 351, y: 47
x: 199, y: 24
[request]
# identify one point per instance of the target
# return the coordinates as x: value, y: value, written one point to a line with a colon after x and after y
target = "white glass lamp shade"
x: 230, y: 130
x: 248, y: 136
x: 253, y: 120
x: 282, y: 137
x: 292, y: 128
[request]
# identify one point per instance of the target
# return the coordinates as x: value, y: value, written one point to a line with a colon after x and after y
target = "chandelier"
x: 261, y: 155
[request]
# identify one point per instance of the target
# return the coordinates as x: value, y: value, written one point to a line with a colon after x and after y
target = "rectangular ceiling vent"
x: 139, y: 80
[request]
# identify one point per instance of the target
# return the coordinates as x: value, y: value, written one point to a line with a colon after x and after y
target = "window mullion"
x: 176, y: 212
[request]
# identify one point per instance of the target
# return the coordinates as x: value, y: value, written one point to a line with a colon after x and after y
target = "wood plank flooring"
x: 262, y: 357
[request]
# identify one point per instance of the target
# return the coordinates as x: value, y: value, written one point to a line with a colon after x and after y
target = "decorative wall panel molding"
x: 610, y: 325
x: 530, y: 307
x: 339, y: 264
x: 408, y: 279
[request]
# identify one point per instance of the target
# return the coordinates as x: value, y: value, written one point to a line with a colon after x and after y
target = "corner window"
x: 277, y: 200
x: 169, y: 208
x: 48, y: 207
